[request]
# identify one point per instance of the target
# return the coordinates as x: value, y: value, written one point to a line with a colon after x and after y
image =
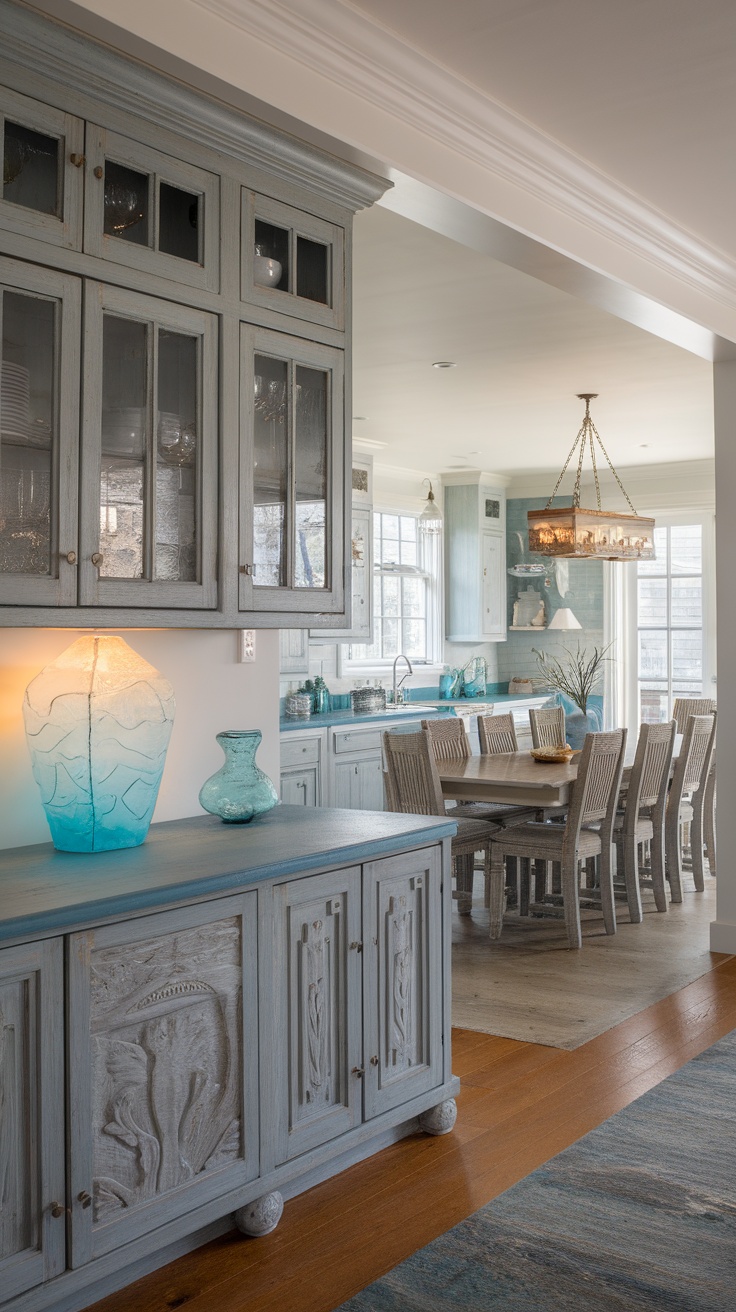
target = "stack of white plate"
x: 14, y: 397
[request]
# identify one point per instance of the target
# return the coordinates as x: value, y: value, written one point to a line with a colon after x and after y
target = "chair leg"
x: 709, y: 821
x: 608, y: 904
x: 497, y: 888
x: 540, y: 880
x: 696, y: 843
x: 630, y: 850
x: 464, y: 871
x: 571, y: 902
x: 673, y: 856
x: 524, y: 886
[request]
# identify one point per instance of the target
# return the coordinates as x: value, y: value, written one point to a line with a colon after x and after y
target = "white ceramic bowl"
x: 266, y: 272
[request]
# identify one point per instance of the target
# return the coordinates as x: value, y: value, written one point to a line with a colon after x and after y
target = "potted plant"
x: 575, y: 675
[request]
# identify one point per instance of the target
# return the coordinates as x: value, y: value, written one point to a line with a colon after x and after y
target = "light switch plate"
x: 247, y: 645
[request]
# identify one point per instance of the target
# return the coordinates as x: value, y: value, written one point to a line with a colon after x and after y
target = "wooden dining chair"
x: 684, y: 707
x: 640, y: 817
x: 586, y: 833
x: 547, y: 725
x: 496, y: 733
x: 686, y: 801
x: 414, y: 788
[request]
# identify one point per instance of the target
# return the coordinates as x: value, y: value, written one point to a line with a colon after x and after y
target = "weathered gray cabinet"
x: 241, y: 1017
x: 32, y: 1186
x: 188, y: 238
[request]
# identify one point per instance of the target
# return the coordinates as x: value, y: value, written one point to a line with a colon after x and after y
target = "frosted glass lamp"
x: 98, y: 721
x: 564, y: 619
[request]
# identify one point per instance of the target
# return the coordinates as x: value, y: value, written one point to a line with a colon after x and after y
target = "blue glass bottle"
x: 239, y: 790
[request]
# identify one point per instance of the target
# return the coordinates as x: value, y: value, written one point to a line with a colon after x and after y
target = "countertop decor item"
x: 602, y: 534
x: 299, y: 705
x: 98, y: 721
x: 368, y: 699
x: 239, y: 790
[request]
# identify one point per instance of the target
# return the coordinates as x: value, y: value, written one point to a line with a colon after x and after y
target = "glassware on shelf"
x: 177, y: 442
x: 123, y: 207
x: 123, y: 430
x: 266, y: 271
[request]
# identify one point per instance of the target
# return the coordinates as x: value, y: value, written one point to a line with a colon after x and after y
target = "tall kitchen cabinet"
x: 175, y: 309
x: 475, y: 557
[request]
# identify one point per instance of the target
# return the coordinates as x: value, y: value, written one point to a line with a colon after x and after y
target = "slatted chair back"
x: 650, y: 773
x: 496, y: 734
x: 414, y: 784
x: 448, y: 738
x: 597, y: 784
x: 694, y: 753
x: 389, y: 798
x: 547, y: 726
x: 684, y: 707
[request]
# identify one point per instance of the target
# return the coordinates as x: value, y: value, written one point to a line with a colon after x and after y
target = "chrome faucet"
x: 398, y: 691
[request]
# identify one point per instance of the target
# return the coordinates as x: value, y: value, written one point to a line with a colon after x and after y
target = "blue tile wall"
x: 582, y: 592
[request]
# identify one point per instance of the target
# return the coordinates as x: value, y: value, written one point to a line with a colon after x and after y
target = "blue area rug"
x: 640, y: 1214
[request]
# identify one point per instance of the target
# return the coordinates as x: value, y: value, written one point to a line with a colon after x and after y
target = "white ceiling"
x: 645, y: 90
x: 523, y: 351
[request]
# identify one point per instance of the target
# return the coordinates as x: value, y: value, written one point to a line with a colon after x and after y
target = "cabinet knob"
x: 57, y: 1209
x: 97, y: 558
x: 84, y: 1198
x: 358, y: 1072
x: 77, y: 160
x: 356, y: 947
x: 70, y: 557
x: 99, y: 172
x: 374, y: 1061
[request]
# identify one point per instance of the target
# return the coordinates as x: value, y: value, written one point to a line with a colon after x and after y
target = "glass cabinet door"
x: 151, y: 212
x: 149, y: 491
x: 40, y: 315
x: 292, y: 261
x: 43, y: 170
x: 292, y: 491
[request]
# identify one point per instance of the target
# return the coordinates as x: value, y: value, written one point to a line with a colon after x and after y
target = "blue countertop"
x: 425, y: 707
x: 45, y: 892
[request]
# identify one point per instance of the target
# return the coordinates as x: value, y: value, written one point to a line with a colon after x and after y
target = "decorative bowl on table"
x: 557, y: 754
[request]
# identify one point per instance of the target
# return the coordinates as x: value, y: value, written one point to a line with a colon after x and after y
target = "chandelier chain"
x: 585, y: 436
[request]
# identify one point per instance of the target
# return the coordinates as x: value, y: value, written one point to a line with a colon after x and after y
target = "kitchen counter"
x: 420, y: 707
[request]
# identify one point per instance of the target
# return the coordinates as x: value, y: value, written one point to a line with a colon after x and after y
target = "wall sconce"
x: 430, y: 520
x: 98, y: 721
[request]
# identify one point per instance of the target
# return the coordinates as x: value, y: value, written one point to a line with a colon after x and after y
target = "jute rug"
x: 638, y: 1216
x: 528, y: 985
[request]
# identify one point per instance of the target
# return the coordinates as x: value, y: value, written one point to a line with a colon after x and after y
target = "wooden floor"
x: 520, y: 1104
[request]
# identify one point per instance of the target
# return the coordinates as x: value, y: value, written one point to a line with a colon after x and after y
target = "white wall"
x: 213, y: 692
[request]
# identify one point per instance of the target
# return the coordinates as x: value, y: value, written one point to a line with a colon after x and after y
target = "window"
x: 405, y: 593
x: 671, y: 628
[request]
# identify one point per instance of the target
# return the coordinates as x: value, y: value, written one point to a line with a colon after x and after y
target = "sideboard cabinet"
x: 175, y: 296
x: 181, y: 1050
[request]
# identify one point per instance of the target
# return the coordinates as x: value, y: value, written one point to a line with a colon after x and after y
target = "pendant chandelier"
x: 576, y: 533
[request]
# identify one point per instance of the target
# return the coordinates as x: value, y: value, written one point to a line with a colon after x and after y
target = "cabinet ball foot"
x: 439, y: 1119
x: 261, y: 1216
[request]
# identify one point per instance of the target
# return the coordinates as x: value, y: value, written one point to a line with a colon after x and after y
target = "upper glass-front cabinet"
x: 292, y: 261
x: 291, y: 474
x: 149, y: 455
x: 151, y: 212
x: 39, y: 424
x: 43, y: 159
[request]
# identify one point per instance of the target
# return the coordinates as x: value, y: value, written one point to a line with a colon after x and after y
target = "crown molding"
x: 358, y: 54
x: 46, y: 47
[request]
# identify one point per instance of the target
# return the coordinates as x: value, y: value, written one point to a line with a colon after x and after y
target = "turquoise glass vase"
x: 239, y: 790
x: 579, y: 723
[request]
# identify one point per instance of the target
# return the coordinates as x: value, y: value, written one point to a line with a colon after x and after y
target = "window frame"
x: 627, y: 646
x: 429, y: 567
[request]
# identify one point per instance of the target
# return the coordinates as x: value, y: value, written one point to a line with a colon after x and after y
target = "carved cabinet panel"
x: 164, y: 1068
x: 403, y: 1003
x: 317, y: 964
x: 32, y: 1244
